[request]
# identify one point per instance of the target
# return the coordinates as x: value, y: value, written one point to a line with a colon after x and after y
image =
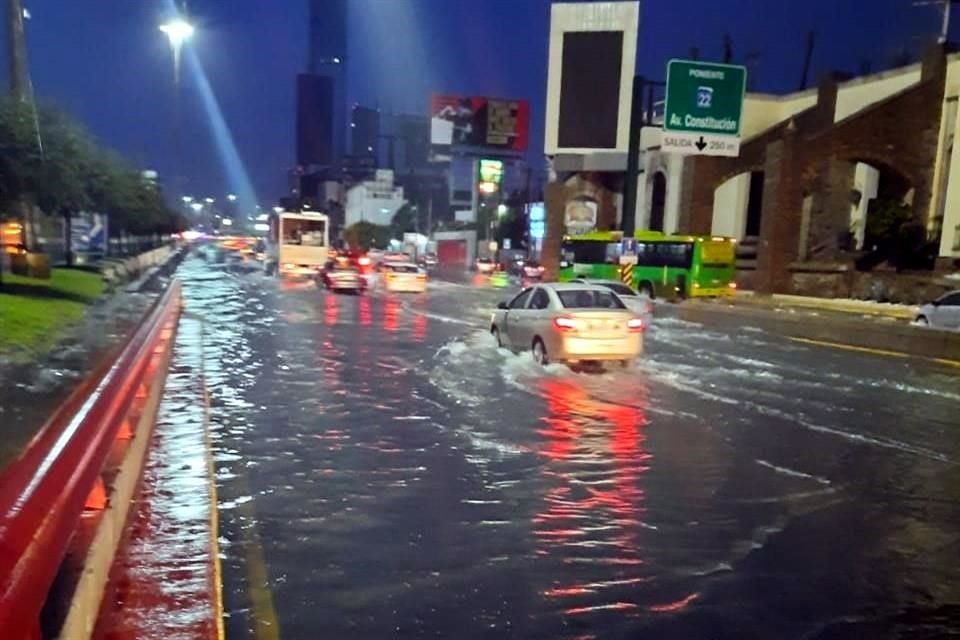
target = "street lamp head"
x: 196, y: 206
x: 178, y: 31
x: 209, y: 200
x: 187, y: 199
x: 232, y: 197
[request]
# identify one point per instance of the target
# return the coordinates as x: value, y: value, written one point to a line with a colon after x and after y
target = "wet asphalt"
x: 386, y: 472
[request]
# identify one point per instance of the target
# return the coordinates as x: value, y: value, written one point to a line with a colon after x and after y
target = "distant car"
x: 942, y: 313
x: 403, y: 277
x: 342, y: 275
x: 485, y: 265
x: 532, y: 270
x: 428, y: 260
x: 569, y: 322
x: 636, y: 302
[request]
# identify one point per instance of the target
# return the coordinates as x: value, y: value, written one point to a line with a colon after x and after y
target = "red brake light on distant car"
x: 564, y: 323
x: 363, y: 261
x: 636, y: 324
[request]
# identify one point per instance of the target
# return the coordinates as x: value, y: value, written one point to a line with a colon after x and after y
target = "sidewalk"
x: 838, y: 305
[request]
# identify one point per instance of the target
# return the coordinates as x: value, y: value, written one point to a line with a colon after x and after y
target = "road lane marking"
x: 214, y: 515
x: 876, y: 352
x: 266, y: 624
x: 850, y: 347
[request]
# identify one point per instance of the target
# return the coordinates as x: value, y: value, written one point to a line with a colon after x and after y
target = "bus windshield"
x: 309, y: 233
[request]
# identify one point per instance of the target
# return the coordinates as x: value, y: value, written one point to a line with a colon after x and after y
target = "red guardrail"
x: 43, y: 492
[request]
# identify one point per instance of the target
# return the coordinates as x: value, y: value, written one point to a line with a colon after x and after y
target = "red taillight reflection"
x: 564, y: 323
x: 636, y: 324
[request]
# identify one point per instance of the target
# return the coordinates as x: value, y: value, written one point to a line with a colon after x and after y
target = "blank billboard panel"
x: 590, y: 92
x: 592, y: 60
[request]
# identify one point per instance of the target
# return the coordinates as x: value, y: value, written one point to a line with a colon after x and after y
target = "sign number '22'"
x: 704, y: 97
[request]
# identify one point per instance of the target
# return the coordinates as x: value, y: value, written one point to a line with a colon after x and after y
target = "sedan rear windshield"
x: 402, y: 268
x: 589, y: 299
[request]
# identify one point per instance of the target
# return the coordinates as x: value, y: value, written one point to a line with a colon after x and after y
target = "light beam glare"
x: 237, y: 177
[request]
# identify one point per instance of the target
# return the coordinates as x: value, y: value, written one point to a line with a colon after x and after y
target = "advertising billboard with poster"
x: 476, y: 121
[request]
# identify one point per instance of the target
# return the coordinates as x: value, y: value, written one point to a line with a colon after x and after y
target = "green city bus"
x: 669, y: 266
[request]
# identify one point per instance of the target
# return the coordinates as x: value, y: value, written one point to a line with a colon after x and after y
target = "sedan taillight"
x: 564, y: 323
x: 636, y: 324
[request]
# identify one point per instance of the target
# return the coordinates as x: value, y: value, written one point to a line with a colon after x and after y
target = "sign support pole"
x: 628, y: 222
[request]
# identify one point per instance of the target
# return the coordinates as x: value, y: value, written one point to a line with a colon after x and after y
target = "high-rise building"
x: 364, y: 131
x: 327, y: 58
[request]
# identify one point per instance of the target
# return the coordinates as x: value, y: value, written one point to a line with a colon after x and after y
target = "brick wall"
x: 810, y: 154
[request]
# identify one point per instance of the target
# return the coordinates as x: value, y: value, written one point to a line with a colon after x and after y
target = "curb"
x: 891, y: 337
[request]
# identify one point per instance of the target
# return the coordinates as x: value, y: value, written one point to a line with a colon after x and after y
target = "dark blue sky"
x: 106, y: 62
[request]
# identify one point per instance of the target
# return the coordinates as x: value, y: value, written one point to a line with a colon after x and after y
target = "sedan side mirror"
x: 502, y: 305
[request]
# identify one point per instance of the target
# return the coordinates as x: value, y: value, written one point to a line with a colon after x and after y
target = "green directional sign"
x: 703, y: 108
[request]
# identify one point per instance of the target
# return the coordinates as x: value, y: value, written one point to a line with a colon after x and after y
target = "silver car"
x: 636, y: 302
x: 942, y: 313
x: 569, y: 322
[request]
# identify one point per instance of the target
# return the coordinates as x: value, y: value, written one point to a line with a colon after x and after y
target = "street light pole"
x: 178, y: 32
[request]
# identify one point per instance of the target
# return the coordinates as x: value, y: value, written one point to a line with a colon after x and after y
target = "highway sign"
x: 703, y: 108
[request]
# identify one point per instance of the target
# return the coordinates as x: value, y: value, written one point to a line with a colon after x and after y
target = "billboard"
x: 490, y: 176
x: 592, y: 58
x: 475, y: 121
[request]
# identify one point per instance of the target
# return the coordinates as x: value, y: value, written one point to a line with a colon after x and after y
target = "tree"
x: 365, y: 235
x: 72, y: 173
x: 403, y: 221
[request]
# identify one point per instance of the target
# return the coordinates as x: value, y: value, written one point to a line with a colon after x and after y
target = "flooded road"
x: 386, y: 471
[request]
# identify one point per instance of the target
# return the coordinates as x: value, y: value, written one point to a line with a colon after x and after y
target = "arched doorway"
x: 658, y: 201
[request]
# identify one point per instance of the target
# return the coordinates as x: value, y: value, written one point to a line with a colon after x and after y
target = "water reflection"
x: 390, y: 310
x: 593, y: 507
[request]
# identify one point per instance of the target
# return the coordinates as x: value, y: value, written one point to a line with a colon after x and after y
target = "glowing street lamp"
x: 178, y: 31
x: 197, y: 206
x: 187, y: 199
x: 232, y: 197
x: 209, y: 200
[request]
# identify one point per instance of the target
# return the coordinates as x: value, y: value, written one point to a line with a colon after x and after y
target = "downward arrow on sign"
x: 701, y: 144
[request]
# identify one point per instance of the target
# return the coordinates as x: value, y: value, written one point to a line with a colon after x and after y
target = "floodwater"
x: 386, y: 471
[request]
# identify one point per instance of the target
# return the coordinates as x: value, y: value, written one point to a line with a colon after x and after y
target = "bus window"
x: 309, y: 233
x: 591, y: 251
x: 665, y: 254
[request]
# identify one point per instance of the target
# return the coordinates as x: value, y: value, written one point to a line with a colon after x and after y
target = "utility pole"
x: 22, y: 91
x: 807, y: 57
x: 945, y: 20
x: 17, y: 52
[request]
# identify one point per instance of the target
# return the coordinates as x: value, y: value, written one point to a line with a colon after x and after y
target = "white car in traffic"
x: 570, y: 322
x: 404, y: 277
x: 942, y: 313
x: 636, y: 302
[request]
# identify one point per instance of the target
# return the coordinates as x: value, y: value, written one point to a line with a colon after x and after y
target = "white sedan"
x: 403, y: 277
x: 569, y: 322
x: 638, y: 302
